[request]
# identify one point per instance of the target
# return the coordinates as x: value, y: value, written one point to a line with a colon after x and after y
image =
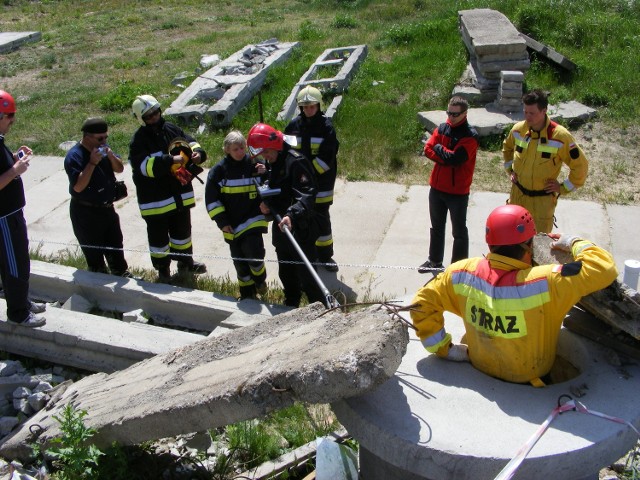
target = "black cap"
x: 94, y: 125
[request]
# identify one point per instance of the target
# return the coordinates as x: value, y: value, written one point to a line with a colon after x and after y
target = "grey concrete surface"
x: 491, y: 120
x: 381, y: 230
x: 445, y: 420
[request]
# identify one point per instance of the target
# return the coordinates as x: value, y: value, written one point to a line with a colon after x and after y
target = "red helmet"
x: 7, y: 103
x: 262, y: 136
x: 509, y: 225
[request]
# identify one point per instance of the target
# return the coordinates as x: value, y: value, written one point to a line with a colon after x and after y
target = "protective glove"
x: 564, y: 242
x: 458, y: 353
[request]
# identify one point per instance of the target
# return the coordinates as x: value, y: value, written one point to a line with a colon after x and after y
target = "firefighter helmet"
x: 263, y: 136
x: 142, y: 105
x: 509, y: 225
x: 180, y: 146
x: 309, y: 96
x: 7, y: 103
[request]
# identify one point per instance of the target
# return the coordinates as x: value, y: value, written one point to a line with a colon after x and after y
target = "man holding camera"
x: 90, y: 165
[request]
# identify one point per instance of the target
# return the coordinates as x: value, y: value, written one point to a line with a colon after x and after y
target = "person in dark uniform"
x: 292, y: 173
x: 234, y: 204
x: 90, y: 165
x: 316, y: 139
x: 163, y: 186
x: 15, y: 264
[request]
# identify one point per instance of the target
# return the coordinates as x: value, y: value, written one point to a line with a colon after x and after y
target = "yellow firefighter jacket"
x: 537, y: 157
x: 512, y: 312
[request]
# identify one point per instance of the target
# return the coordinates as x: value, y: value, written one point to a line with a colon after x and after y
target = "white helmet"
x: 142, y: 105
x: 308, y: 96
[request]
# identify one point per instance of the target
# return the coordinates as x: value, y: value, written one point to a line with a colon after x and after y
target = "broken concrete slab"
x: 549, y: 53
x: 235, y: 81
x: 308, y: 355
x: 492, y: 120
x: 89, y: 342
x: 165, y: 304
x: 10, y: 41
x: 346, y: 59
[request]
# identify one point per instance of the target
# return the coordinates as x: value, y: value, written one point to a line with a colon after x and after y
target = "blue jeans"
x: 439, y: 204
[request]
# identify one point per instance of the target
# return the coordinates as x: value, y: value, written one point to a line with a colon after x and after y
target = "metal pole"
x: 330, y: 301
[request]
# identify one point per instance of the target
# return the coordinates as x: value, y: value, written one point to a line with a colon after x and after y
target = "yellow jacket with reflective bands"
x: 512, y: 312
x: 538, y: 156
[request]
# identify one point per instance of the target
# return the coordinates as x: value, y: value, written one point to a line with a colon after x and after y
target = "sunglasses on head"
x: 454, y: 114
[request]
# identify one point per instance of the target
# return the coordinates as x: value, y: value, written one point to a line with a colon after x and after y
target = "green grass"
x: 96, y: 56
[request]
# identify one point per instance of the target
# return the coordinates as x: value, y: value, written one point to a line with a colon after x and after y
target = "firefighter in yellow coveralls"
x: 533, y: 154
x: 512, y: 312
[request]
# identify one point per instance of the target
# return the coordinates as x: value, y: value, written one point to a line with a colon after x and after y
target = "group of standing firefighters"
x: 289, y: 177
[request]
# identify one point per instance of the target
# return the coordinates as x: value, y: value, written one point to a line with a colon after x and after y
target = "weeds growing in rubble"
x: 74, y: 458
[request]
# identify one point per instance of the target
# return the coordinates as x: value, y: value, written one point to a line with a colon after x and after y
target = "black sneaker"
x: 32, y: 321
x: 330, y: 265
x: 195, y: 267
x: 429, y: 266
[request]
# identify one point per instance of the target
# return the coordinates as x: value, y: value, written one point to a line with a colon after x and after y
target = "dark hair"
x: 516, y: 251
x: 458, y: 101
x: 536, y: 97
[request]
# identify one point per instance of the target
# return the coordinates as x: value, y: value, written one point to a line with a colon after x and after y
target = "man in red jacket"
x: 452, y: 147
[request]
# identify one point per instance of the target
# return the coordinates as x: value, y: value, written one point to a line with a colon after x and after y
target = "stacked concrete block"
x: 494, y: 46
x: 510, y: 91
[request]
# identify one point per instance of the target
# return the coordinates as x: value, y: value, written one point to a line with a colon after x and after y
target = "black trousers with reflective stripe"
x: 165, y: 229
x: 249, y: 245
x: 15, y: 265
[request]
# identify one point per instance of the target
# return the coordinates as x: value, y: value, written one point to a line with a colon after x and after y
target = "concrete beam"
x: 549, y: 53
x: 307, y: 355
x: 349, y: 57
x: 89, y: 342
x: 10, y: 41
x: 165, y: 304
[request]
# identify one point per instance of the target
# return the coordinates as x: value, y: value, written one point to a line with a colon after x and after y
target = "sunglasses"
x: 101, y: 138
x: 454, y: 114
x: 9, y: 115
